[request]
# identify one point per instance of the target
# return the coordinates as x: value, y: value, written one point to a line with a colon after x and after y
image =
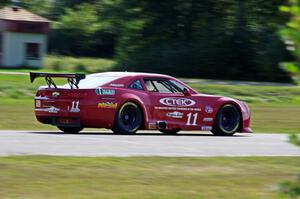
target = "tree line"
x: 224, y: 39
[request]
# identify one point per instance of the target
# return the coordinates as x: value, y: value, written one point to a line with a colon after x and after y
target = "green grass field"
x: 138, y: 177
x: 274, y: 109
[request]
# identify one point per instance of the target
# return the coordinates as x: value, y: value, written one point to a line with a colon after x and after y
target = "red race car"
x: 126, y: 102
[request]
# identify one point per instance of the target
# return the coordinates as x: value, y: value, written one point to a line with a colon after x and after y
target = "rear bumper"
x: 55, y: 112
x: 58, y: 117
x: 60, y: 121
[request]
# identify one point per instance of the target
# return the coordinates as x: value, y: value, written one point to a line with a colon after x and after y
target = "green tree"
x: 4, y: 3
x: 74, y: 32
x: 211, y: 39
x: 291, y: 35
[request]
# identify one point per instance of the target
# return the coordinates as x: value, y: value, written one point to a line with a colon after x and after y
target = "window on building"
x: 32, y: 50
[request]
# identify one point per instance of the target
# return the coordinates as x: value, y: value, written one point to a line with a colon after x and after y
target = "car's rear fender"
x: 142, y: 103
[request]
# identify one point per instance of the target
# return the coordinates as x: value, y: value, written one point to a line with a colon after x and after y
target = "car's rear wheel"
x: 170, y: 132
x: 70, y: 130
x: 128, y: 119
x: 227, y: 121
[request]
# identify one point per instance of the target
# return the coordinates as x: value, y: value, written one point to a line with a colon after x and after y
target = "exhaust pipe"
x: 162, y: 125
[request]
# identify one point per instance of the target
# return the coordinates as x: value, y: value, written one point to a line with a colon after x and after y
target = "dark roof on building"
x: 20, y: 14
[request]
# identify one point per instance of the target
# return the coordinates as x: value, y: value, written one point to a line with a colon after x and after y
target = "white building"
x: 23, y: 38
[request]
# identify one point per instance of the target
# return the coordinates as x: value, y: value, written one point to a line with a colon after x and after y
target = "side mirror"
x: 186, y: 92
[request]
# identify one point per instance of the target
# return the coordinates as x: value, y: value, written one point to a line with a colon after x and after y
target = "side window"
x: 136, y: 85
x: 150, y: 86
x: 179, y: 86
x: 161, y: 86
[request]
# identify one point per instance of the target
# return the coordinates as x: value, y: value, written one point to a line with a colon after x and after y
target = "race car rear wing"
x: 73, y: 79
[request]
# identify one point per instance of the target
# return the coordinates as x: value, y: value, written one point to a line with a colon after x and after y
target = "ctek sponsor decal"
x: 107, y: 105
x: 174, y: 101
x: 208, y: 109
x: 101, y: 91
x: 175, y: 114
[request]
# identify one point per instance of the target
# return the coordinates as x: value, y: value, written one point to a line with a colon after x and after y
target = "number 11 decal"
x: 191, y: 116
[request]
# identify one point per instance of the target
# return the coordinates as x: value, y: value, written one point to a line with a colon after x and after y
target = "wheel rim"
x: 128, y: 117
x: 229, y: 119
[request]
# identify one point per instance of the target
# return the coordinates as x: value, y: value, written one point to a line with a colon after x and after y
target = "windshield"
x: 92, y: 81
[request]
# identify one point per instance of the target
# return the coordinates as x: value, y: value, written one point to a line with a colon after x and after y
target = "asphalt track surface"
x: 145, y: 143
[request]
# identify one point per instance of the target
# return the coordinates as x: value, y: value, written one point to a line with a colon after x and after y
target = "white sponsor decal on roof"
x: 117, y: 85
x: 174, y: 101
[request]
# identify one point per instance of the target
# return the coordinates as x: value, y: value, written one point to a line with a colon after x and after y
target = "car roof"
x: 131, y: 74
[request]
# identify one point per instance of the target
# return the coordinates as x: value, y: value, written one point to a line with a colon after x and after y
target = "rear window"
x: 92, y: 81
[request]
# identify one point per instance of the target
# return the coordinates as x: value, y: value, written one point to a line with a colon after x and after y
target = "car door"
x: 170, y: 104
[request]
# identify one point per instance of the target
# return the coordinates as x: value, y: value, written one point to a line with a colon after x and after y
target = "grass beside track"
x: 139, y: 177
x: 273, y: 109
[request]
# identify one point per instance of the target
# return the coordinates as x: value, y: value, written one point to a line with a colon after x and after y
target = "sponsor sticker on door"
x: 107, y: 105
x: 175, y: 114
x: 174, y: 101
x: 208, y: 109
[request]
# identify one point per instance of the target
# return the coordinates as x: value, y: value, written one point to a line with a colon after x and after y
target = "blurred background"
x: 248, y: 50
x: 225, y: 39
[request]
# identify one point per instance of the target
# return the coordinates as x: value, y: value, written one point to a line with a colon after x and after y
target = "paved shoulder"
x: 143, y: 144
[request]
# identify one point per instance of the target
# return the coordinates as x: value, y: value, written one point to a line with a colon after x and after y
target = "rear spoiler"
x: 73, y: 79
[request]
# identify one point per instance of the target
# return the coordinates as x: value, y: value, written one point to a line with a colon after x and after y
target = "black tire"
x: 170, y: 132
x: 227, y: 121
x: 70, y: 130
x: 128, y: 119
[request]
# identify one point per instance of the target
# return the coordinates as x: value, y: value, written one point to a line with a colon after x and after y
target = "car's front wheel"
x: 227, y: 121
x: 128, y: 119
x: 70, y: 130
